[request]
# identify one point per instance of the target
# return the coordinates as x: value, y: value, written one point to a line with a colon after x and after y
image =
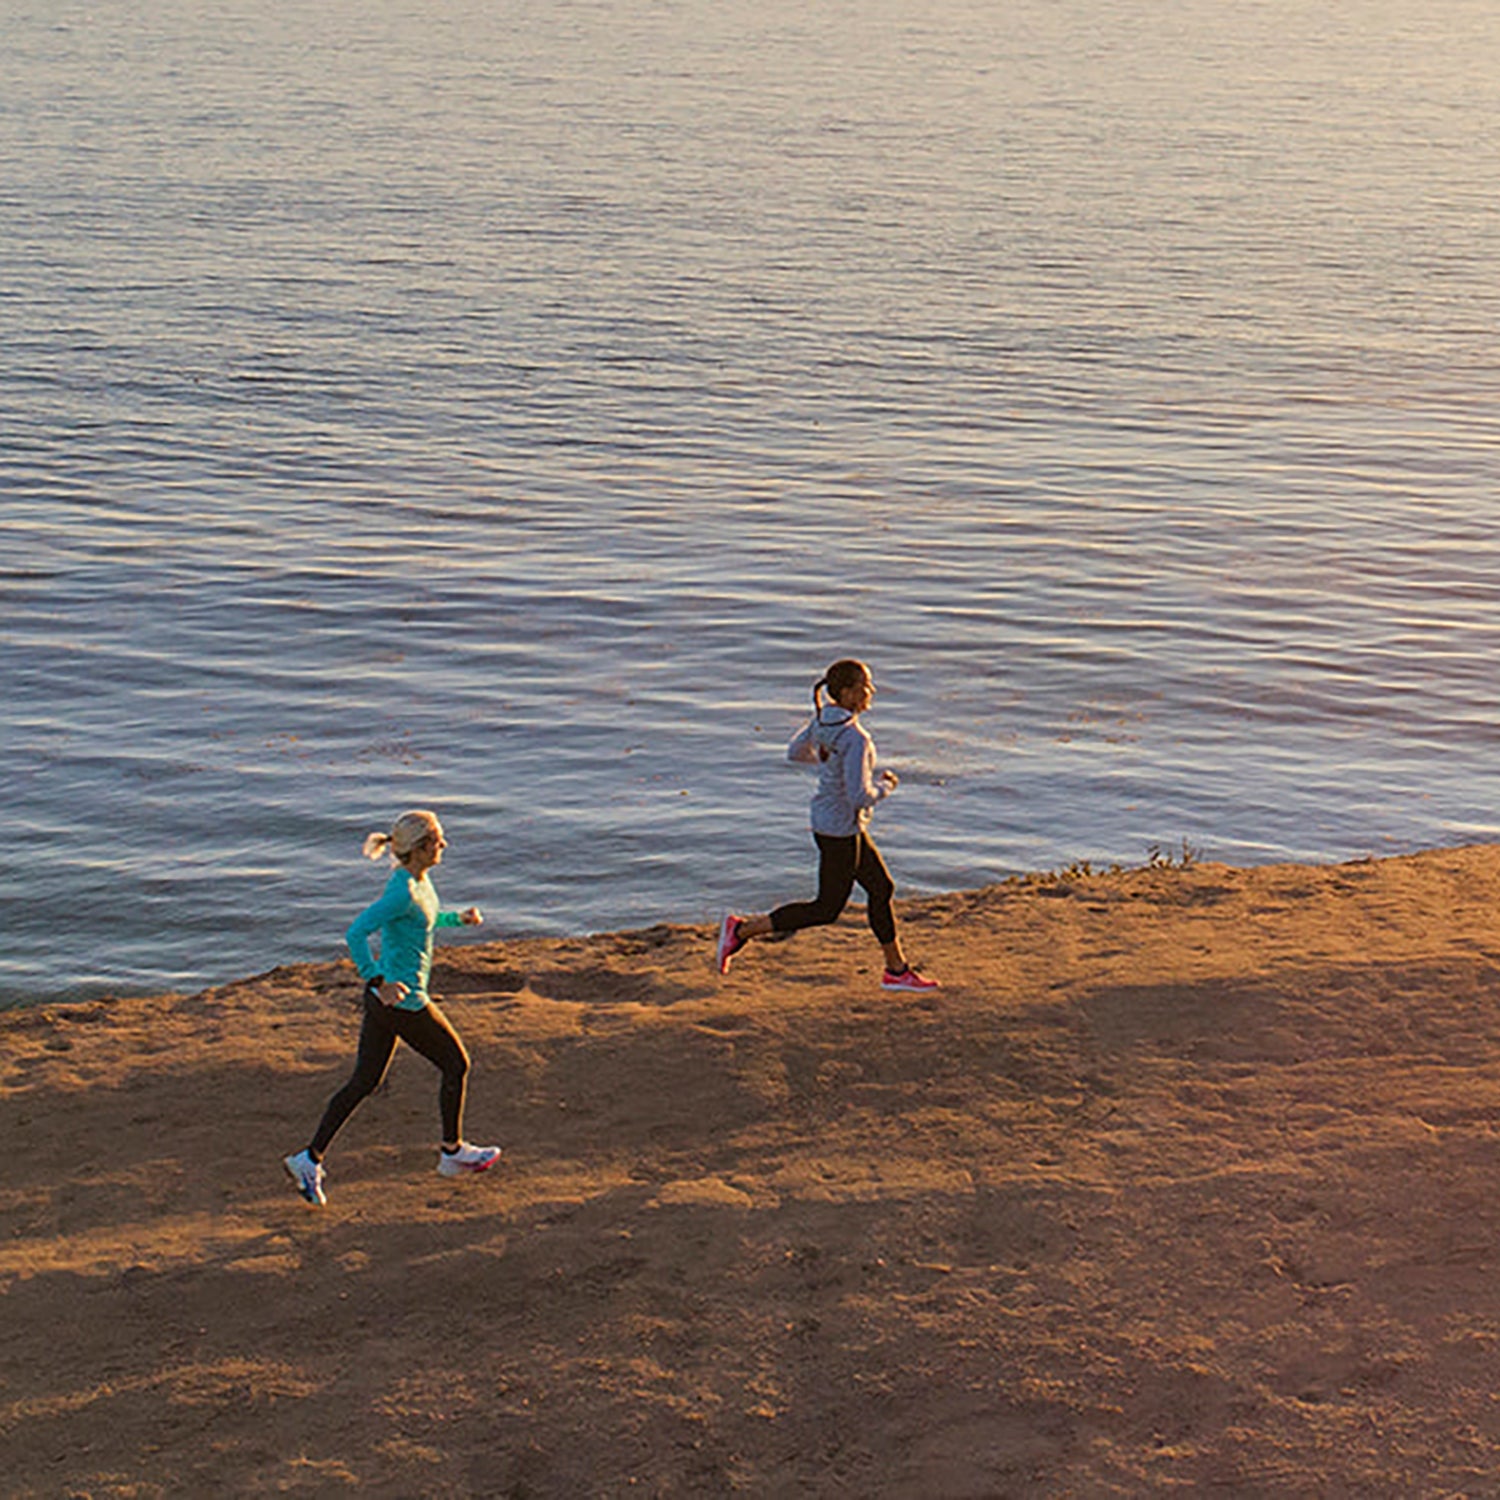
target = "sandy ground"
x: 1184, y: 1183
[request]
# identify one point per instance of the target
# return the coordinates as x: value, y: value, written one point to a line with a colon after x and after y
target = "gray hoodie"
x: 847, y: 786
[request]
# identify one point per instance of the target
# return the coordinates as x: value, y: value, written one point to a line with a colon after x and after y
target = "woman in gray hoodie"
x: 848, y: 788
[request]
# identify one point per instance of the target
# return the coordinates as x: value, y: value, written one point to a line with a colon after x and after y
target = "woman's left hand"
x: 471, y: 917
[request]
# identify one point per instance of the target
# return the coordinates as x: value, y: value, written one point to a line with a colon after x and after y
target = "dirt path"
x: 1185, y: 1182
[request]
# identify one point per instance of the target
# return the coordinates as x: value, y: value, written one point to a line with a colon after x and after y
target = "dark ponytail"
x: 818, y: 687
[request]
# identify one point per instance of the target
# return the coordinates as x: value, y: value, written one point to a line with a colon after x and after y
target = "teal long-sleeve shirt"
x: 404, y: 916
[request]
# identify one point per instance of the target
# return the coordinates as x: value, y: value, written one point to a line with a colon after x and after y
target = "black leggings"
x: 842, y: 861
x: 426, y: 1031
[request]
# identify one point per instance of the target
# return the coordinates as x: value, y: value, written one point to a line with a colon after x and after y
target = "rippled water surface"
x: 511, y: 408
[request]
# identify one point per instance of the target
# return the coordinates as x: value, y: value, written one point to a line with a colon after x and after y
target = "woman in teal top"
x: 397, y: 1006
x: 404, y: 916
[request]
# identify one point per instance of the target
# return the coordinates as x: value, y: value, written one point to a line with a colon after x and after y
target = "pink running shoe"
x: 907, y: 979
x: 730, y: 941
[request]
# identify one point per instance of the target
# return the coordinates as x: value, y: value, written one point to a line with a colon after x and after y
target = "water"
x: 512, y: 408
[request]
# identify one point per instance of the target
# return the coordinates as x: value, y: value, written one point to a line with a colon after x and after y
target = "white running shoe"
x: 308, y: 1175
x: 467, y: 1159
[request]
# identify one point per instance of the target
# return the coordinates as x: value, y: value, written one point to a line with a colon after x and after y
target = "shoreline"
x: 1184, y: 1179
x: 1156, y: 855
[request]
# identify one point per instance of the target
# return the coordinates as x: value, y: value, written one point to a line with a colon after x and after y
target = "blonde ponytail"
x: 408, y: 831
x: 376, y: 845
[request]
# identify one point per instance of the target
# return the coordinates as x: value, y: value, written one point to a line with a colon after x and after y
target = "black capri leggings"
x: 842, y: 861
x: 426, y: 1031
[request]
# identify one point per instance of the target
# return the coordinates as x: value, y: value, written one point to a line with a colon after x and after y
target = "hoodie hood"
x: 831, y: 723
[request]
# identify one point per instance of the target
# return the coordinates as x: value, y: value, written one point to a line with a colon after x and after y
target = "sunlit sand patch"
x: 153, y: 1245
x: 266, y: 1265
x: 710, y: 1192
x: 206, y: 1384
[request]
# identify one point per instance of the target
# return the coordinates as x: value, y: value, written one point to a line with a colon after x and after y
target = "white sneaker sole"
x: 447, y: 1167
